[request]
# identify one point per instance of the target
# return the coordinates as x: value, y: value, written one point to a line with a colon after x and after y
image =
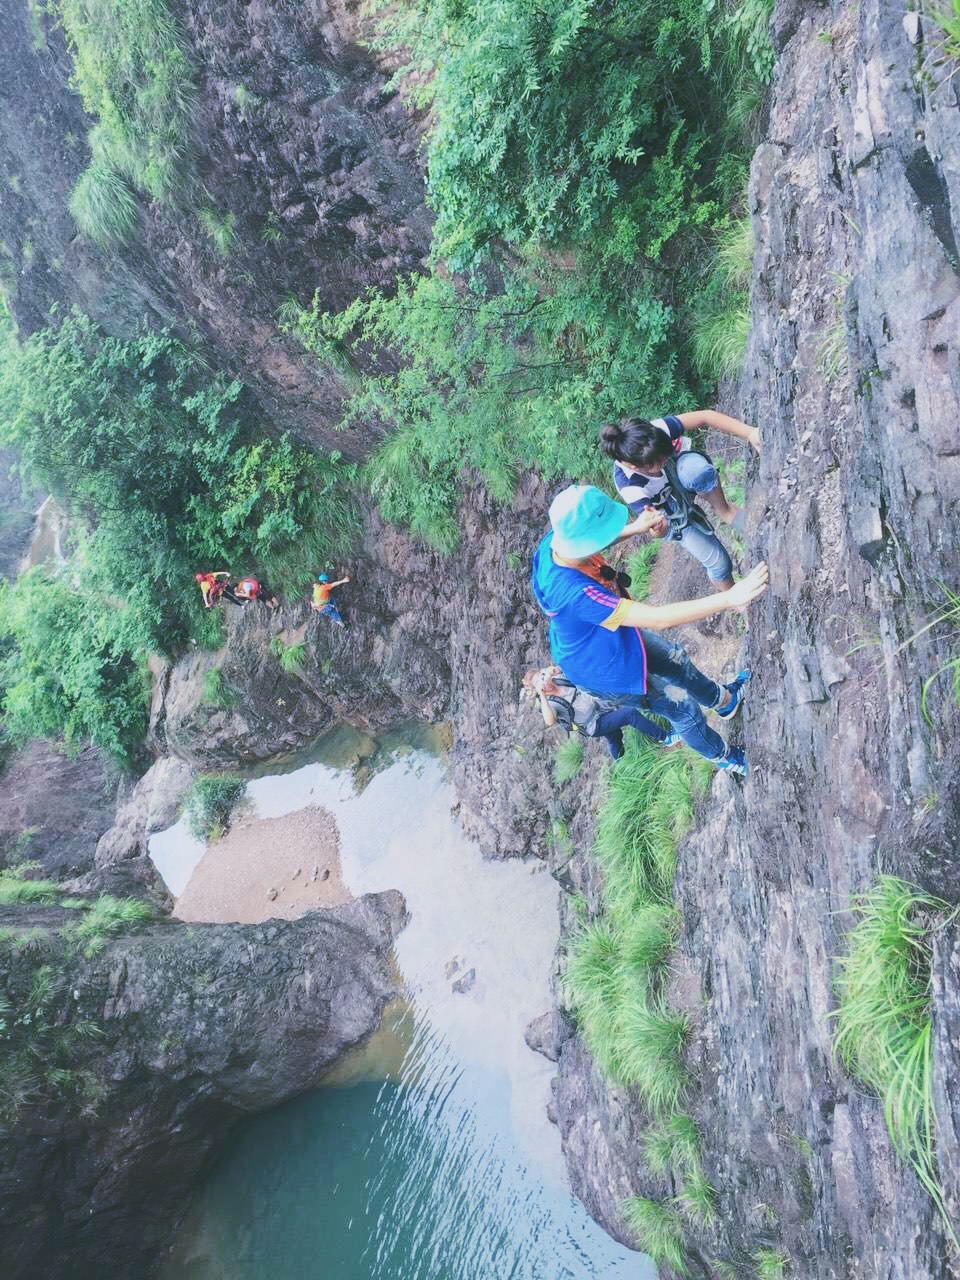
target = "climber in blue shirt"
x: 608, y: 645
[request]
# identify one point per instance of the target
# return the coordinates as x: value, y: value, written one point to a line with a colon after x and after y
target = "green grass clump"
x: 215, y: 691
x: 105, y: 917
x: 649, y: 1051
x: 568, y: 759
x: 951, y: 668
x: 673, y: 1143
x: 16, y: 889
x: 769, y: 1265
x: 210, y: 803
x: 884, y: 1025
x: 102, y: 205
x: 658, y: 1231
x: 947, y: 17
x: 292, y: 657
x: 640, y: 566
x: 698, y: 1198
x: 220, y: 229
x: 720, y: 320
x: 132, y: 72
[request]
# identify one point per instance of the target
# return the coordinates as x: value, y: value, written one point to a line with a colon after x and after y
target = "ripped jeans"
x: 676, y: 690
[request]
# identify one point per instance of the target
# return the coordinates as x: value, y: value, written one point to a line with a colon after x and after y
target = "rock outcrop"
x: 853, y: 375
x: 196, y: 1027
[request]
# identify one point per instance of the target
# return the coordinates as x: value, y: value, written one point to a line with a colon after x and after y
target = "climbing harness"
x: 677, y: 505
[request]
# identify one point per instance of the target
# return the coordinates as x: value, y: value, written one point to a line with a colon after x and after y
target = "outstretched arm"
x: 659, y: 617
x: 721, y: 422
x: 339, y: 583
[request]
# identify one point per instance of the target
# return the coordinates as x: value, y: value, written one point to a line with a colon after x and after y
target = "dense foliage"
x: 133, y: 75
x: 168, y: 469
x: 581, y: 161
x: 494, y: 379
x: 559, y: 119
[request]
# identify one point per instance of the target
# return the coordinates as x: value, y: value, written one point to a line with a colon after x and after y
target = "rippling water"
x: 448, y: 1169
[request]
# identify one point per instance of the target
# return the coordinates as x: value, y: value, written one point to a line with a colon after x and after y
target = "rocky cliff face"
x: 853, y: 375
x: 294, y: 129
x: 197, y: 1026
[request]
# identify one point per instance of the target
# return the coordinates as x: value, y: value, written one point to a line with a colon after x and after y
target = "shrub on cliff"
x: 210, y: 803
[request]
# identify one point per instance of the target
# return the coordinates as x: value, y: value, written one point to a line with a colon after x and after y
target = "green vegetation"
x: 210, y: 803
x: 769, y: 1265
x: 102, y: 204
x: 698, y: 1199
x: 16, y: 889
x: 674, y: 1142
x: 292, y: 656
x: 951, y: 668
x: 220, y: 228
x: 170, y: 468
x: 581, y: 162
x: 568, y: 759
x: 720, y: 317
x: 640, y: 566
x: 946, y: 15
x: 131, y: 70
x: 658, y: 1231
x: 104, y: 917
x: 216, y: 692
x: 884, y: 1024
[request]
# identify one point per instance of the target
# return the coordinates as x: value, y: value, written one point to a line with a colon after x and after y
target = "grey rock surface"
x: 853, y: 375
x: 200, y: 1025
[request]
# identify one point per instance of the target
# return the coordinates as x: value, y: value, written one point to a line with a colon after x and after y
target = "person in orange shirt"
x: 215, y: 587
x: 322, y: 601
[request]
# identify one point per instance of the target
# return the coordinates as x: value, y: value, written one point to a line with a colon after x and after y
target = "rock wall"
x: 199, y: 1026
x: 294, y: 128
x: 853, y: 375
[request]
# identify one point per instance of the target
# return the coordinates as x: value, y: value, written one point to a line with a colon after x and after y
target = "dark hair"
x: 637, y: 441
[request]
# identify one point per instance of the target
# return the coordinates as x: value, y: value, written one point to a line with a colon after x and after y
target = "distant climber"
x: 248, y: 589
x: 561, y: 702
x: 655, y: 468
x: 322, y: 600
x: 215, y: 587
x: 608, y: 646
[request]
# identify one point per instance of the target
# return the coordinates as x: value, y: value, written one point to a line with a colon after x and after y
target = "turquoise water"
x: 438, y: 1162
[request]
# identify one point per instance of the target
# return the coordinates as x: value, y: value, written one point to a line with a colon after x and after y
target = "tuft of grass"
x: 272, y: 232
x: 292, y: 656
x: 947, y: 17
x: 640, y: 567
x: 720, y: 323
x: 658, y: 1231
x: 951, y: 668
x: 568, y: 759
x: 673, y: 1143
x: 210, y: 803
x: 16, y: 889
x: 104, y: 917
x: 650, y: 1052
x: 769, y: 1265
x: 220, y: 229
x: 131, y: 69
x: 216, y: 692
x: 884, y: 1024
x: 698, y: 1198
x: 245, y: 98
x: 102, y: 205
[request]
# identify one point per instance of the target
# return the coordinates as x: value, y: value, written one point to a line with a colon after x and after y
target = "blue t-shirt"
x: 576, y: 604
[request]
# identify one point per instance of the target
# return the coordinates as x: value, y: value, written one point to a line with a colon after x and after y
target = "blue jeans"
x: 676, y: 690
x: 611, y: 724
x: 698, y: 475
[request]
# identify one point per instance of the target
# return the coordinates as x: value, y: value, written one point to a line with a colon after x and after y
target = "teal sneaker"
x: 733, y: 762
x: 735, y: 688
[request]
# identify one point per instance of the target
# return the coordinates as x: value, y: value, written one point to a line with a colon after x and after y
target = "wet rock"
x: 546, y: 1034
x: 465, y: 983
x: 201, y: 1025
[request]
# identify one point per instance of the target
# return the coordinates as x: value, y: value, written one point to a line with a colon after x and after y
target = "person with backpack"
x: 252, y: 589
x: 576, y: 711
x: 216, y: 586
x: 655, y: 468
x: 322, y: 598
x: 610, y: 646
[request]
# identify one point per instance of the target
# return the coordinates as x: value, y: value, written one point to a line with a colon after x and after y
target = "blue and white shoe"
x: 736, y: 696
x: 671, y: 738
x: 733, y: 762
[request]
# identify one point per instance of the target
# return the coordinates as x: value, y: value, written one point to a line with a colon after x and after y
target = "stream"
x: 428, y: 1154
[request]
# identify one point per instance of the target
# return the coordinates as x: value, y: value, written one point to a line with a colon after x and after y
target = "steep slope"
x: 853, y: 375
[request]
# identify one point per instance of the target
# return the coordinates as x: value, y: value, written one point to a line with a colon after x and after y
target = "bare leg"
x: 723, y: 509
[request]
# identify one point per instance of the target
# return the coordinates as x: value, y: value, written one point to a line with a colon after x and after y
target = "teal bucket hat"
x: 584, y: 521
